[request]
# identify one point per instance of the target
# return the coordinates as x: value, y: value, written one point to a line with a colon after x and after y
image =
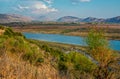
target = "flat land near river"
x: 112, y: 31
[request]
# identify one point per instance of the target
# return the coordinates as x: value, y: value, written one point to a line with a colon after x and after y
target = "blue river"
x: 75, y: 40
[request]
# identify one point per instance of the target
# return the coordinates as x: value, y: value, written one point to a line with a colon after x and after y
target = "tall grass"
x: 14, y: 68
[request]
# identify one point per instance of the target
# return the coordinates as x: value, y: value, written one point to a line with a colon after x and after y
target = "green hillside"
x: 21, y: 58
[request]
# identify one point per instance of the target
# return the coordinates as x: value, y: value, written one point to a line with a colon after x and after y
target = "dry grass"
x: 1, y: 31
x: 14, y: 68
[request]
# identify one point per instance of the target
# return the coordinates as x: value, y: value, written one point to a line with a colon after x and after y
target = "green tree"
x: 100, y: 51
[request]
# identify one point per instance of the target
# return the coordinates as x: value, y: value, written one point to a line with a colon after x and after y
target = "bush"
x: 74, y: 62
x: 100, y: 51
x: 9, y: 32
x: 2, y: 27
x: 96, y: 39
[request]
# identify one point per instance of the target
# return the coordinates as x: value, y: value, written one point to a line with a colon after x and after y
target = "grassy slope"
x: 29, y: 59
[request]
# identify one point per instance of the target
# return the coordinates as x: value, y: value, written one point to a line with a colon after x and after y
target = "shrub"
x: 100, y: 51
x: 74, y: 63
x: 96, y: 39
x: 9, y: 32
x: 2, y: 27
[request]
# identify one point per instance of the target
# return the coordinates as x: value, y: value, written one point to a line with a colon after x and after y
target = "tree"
x: 100, y: 51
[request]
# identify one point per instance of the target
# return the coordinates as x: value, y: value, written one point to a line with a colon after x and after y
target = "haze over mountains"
x: 7, y: 18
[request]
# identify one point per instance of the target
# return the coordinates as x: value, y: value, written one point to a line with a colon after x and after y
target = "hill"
x: 7, y: 18
x: 68, y: 19
x: 31, y: 59
x: 113, y: 20
x: 91, y: 19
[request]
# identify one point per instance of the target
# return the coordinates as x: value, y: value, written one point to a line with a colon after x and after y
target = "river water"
x: 76, y: 40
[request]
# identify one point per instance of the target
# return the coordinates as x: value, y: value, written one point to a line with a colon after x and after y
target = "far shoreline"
x: 112, y: 31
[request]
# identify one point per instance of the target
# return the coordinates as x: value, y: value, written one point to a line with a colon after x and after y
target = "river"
x: 75, y: 40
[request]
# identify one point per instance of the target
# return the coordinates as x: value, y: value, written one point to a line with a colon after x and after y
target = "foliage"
x: 16, y: 43
x: 96, y: 39
x: 9, y: 32
x: 77, y: 61
x: 100, y: 51
x: 2, y: 27
x: 72, y: 65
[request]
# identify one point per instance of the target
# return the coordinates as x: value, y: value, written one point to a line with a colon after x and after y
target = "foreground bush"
x: 100, y: 51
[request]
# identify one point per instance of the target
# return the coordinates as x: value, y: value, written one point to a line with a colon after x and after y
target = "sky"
x: 58, y: 8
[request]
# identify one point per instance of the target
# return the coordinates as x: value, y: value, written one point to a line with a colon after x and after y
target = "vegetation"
x: 23, y: 24
x: 112, y: 31
x: 18, y: 49
x: 71, y: 64
x: 100, y: 51
x: 31, y: 59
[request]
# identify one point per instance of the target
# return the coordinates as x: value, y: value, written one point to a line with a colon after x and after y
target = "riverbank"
x: 111, y: 31
x: 74, y: 40
x: 61, y: 46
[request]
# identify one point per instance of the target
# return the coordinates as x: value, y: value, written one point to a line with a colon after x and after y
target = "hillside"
x: 22, y: 58
x: 6, y: 18
x: 30, y: 59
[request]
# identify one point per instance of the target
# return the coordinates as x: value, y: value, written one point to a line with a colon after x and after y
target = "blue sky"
x: 57, y: 8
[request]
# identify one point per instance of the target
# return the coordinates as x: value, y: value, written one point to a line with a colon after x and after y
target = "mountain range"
x: 7, y: 18
x: 89, y: 19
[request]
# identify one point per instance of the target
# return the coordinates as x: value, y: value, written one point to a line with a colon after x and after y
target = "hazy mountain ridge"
x: 6, y: 18
x: 68, y: 19
x: 113, y: 20
x: 89, y: 19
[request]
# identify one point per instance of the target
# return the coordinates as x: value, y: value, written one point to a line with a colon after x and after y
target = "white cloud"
x: 41, y: 8
x: 85, y: 0
x: 49, y: 1
x: 36, y: 7
x: 78, y: 1
x: 22, y: 7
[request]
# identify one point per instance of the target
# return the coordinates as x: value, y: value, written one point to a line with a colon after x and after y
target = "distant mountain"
x: 6, y: 18
x: 89, y: 19
x: 44, y: 18
x: 113, y: 20
x: 68, y: 19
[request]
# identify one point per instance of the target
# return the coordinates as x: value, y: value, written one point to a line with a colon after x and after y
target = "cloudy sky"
x: 57, y: 8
